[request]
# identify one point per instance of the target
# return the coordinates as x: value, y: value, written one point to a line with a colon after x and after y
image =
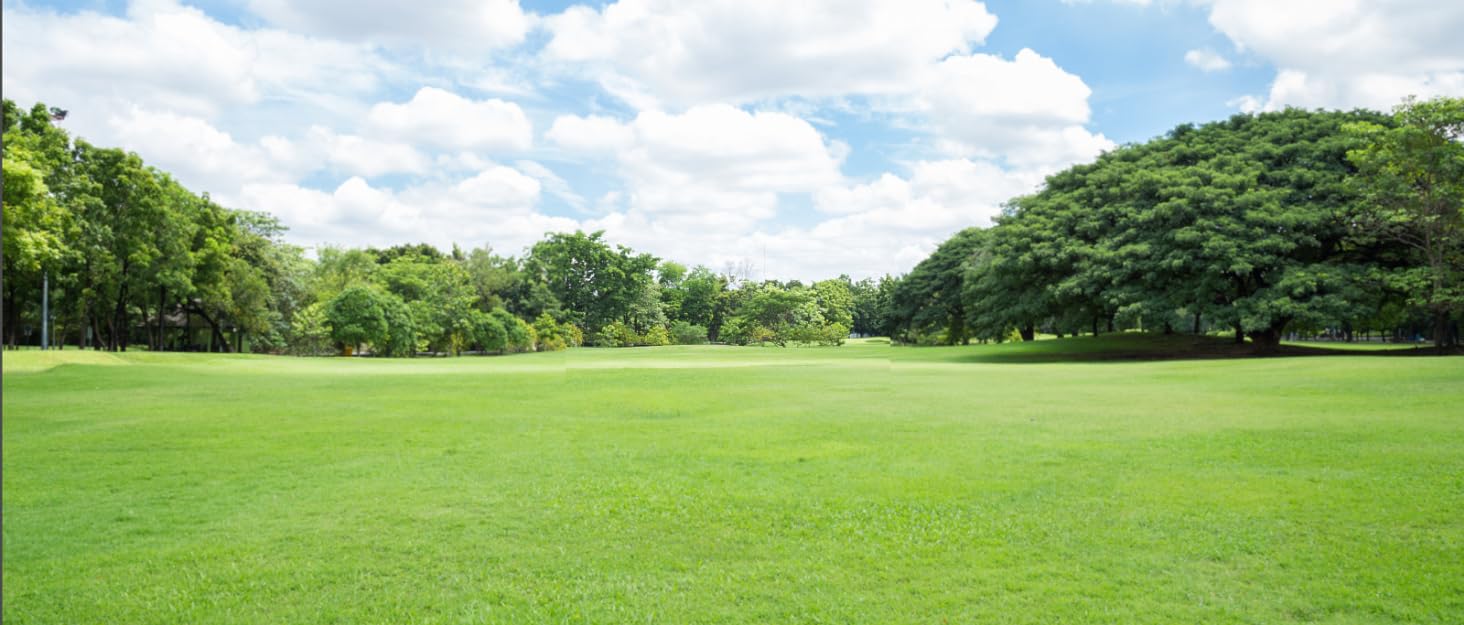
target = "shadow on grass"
x: 1149, y: 347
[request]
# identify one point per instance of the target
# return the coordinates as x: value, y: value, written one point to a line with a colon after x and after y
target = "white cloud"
x: 685, y: 53
x: 446, y: 120
x: 356, y: 155
x: 1207, y: 60
x: 496, y: 205
x: 1348, y: 53
x: 201, y: 156
x: 939, y: 197
x: 714, y: 158
x: 1027, y: 111
x: 165, y: 56
x: 552, y: 183
x: 462, y: 24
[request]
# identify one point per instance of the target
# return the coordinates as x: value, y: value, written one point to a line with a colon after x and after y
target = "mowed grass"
x: 864, y: 484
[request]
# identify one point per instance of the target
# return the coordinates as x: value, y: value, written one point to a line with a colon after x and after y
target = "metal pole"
x: 46, y: 310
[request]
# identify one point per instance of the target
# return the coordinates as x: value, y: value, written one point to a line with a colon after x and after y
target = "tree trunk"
x: 1268, y: 341
x: 1442, y: 340
x: 216, y: 337
x: 1197, y: 324
x: 1029, y: 333
x: 1095, y: 325
x: 1239, y: 335
x: 162, y: 303
x: 118, y: 340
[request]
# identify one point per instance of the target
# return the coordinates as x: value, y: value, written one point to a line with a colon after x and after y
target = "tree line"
x: 1260, y: 226
x: 129, y: 257
x: 1257, y: 226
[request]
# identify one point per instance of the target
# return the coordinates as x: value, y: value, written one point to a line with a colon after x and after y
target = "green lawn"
x: 864, y: 484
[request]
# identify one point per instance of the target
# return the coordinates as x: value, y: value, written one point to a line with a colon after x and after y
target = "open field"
x: 864, y: 484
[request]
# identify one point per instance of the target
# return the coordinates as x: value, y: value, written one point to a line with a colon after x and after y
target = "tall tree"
x: 1412, y: 175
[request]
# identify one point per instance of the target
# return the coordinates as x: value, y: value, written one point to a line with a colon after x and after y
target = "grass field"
x: 864, y: 484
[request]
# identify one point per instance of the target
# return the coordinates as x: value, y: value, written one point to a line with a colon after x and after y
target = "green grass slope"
x: 867, y: 484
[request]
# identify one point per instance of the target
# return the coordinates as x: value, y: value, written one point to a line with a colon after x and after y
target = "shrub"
x: 489, y: 333
x: 656, y: 336
x: 687, y: 333
x: 309, y: 331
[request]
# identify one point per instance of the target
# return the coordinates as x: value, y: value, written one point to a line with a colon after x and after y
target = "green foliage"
x: 835, y: 301
x: 596, y: 284
x: 1412, y: 177
x: 554, y: 336
x: 1245, y: 223
x: 520, y: 335
x: 357, y: 316
x: 310, y: 331
x: 930, y: 298
x: 489, y: 332
x: 687, y: 333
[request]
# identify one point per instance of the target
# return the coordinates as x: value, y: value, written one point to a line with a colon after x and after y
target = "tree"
x: 593, y: 282
x: 310, y: 331
x: 1412, y: 176
x: 835, y: 300
x: 357, y: 316
x: 1248, y: 221
x: 929, y: 299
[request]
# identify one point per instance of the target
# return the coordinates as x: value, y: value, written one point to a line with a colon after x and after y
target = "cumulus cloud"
x: 167, y: 56
x: 1027, y: 111
x: 446, y: 120
x: 1348, y: 53
x: 713, y: 158
x: 200, y: 155
x: 494, y: 205
x: 685, y: 53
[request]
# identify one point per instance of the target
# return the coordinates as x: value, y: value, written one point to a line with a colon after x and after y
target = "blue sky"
x: 805, y: 139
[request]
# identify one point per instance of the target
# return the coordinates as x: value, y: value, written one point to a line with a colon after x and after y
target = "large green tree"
x: 929, y: 300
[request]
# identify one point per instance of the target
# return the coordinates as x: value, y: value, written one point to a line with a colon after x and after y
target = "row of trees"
x: 125, y: 249
x: 1259, y: 226
x: 129, y: 256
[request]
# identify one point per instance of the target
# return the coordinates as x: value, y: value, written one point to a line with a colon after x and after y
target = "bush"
x: 520, y: 334
x: 686, y: 333
x: 655, y: 337
x: 355, y: 316
x: 489, y: 333
x: 554, y: 336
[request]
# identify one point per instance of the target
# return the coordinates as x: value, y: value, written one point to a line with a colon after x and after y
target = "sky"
x: 793, y: 139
